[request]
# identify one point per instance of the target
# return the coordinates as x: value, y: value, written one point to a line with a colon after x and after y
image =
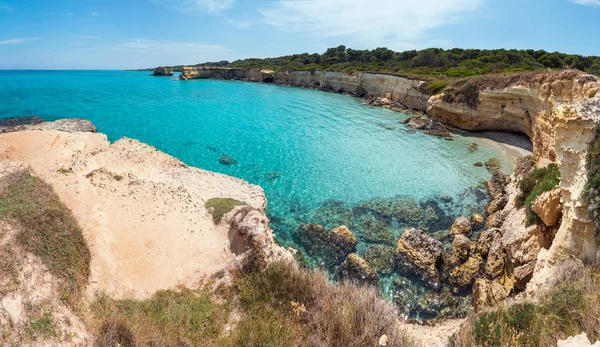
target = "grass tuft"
x: 221, y: 206
x: 169, y: 318
x: 48, y: 230
x: 436, y: 87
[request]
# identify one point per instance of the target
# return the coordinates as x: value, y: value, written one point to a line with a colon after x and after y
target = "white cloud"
x: 587, y: 2
x: 19, y: 40
x: 93, y: 14
x: 212, y: 7
x: 395, y: 23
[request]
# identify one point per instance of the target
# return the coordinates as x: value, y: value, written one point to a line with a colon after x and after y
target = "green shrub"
x: 592, y: 189
x: 538, y: 181
x: 48, y: 230
x: 221, y: 206
x: 436, y: 88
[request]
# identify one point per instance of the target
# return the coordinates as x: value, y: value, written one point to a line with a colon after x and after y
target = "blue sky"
x: 121, y: 34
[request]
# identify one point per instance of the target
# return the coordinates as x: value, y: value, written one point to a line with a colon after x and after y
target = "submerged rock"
x: 333, y: 213
x: 356, y: 269
x: 462, y: 276
x: 380, y: 258
x: 272, y: 175
x: 328, y: 246
x: 372, y: 230
x: 492, y: 164
x: 227, y: 160
x: 419, y: 254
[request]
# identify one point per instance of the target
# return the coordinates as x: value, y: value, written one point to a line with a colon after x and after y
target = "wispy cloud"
x: 212, y: 7
x: 378, y: 22
x: 93, y: 14
x: 19, y: 40
x: 60, y: 14
x: 587, y: 2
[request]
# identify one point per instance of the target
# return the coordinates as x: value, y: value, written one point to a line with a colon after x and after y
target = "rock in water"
x: 328, y: 246
x: 162, y: 71
x: 461, y: 226
x: 227, y: 160
x: 380, y: 258
x: 419, y: 254
x: 357, y: 270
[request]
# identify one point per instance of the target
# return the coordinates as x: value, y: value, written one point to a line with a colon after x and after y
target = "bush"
x: 48, y: 230
x: 288, y: 306
x: 538, y: 181
x: 592, y: 189
x: 570, y: 308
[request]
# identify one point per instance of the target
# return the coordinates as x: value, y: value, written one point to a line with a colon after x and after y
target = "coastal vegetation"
x: 454, y: 62
x: 538, y: 181
x: 47, y: 229
x: 569, y: 308
x: 592, y: 188
x: 221, y: 206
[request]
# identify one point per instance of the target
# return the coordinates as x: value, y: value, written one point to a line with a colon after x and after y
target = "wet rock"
x: 372, y: 230
x: 473, y: 147
x: 497, y: 184
x: 439, y: 130
x: 548, y: 207
x: 328, y: 246
x: 462, y: 276
x: 17, y: 121
x: 461, y: 246
x: 417, y: 122
x: 419, y: 254
x: 461, y: 226
x: 487, y: 293
x: 357, y: 270
x: 407, y: 211
x: 478, y: 164
x: 380, y: 258
x: 477, y: 219
x: 227, y: 160
x: 406, y: 296
x: 333, y: 213
x: 443, y: 304
x: 162, y: 71
x: 484, y: 241
x: 497, y: 204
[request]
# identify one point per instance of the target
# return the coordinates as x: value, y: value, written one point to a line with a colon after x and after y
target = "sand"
x: 142, y: 211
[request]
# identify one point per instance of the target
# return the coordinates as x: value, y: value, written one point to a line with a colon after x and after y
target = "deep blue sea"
x: 320, y: 157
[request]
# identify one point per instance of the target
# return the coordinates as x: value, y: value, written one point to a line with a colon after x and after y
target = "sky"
x: 127, y: 34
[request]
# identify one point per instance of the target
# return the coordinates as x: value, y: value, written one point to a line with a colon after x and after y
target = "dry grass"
x: 288, y: 306
x: 170, y: 318
x: 221, y: 206
x: 568, y: 309
x: 48, y: 230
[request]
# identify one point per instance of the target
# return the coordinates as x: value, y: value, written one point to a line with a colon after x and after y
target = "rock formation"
x: 419, y: 254
x: 162, y: 71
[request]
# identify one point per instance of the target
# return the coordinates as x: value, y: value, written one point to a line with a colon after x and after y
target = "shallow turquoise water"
x: 303, y: 147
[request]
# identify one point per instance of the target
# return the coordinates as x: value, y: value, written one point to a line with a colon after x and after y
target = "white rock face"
x: 577, y: 341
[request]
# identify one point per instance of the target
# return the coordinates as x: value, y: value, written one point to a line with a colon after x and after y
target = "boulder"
x: 477, y: 219
x: 548, y: 207
x: 484, y: 241
x: 380, y: 258
x: 461, y: 246
x: 492, y: 165
x: 357, y: 270
x: 330, y: 246
x: 419, y: 254
x: 497, y: 204
x: 495, y: 220
x: 496, y: 257
x: 487, y: 293
x: 462, y: 276
x: 461, y: 226
x: 523, y: 273
x: 417, y: 122
x: 497, y: 184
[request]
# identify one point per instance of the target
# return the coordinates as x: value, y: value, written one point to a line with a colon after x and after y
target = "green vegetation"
x: 570, y: 308
x: 436, y: 87
x: 221, y: 206
x: 468, y: 94
x: 592, y: 189
x: 169, y: 318
x: 42, y: 325
x: 48, y: 230
x: 454, y: 62
x: 288, y: 306
x: 538, y: 181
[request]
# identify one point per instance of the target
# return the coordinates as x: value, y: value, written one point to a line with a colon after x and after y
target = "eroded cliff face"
x: 518, y: 103
x: 221, y: 73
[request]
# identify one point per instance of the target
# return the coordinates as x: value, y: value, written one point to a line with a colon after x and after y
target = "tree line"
x: 454, y: 62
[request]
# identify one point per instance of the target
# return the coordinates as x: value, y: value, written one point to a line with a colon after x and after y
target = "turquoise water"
x: 311, y: 151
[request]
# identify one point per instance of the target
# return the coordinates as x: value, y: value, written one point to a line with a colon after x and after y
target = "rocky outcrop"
x: 356, y: 269
x: 70, y: 125
x: 419, y: 254
x: 548, y: 207
x: 461, y: 226
x: 222, y: 73
x: 329, y: 246
x: 162, y: 71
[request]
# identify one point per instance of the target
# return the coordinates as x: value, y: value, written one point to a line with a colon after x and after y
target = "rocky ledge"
x: 143, y: 212
x: 162, y: 71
